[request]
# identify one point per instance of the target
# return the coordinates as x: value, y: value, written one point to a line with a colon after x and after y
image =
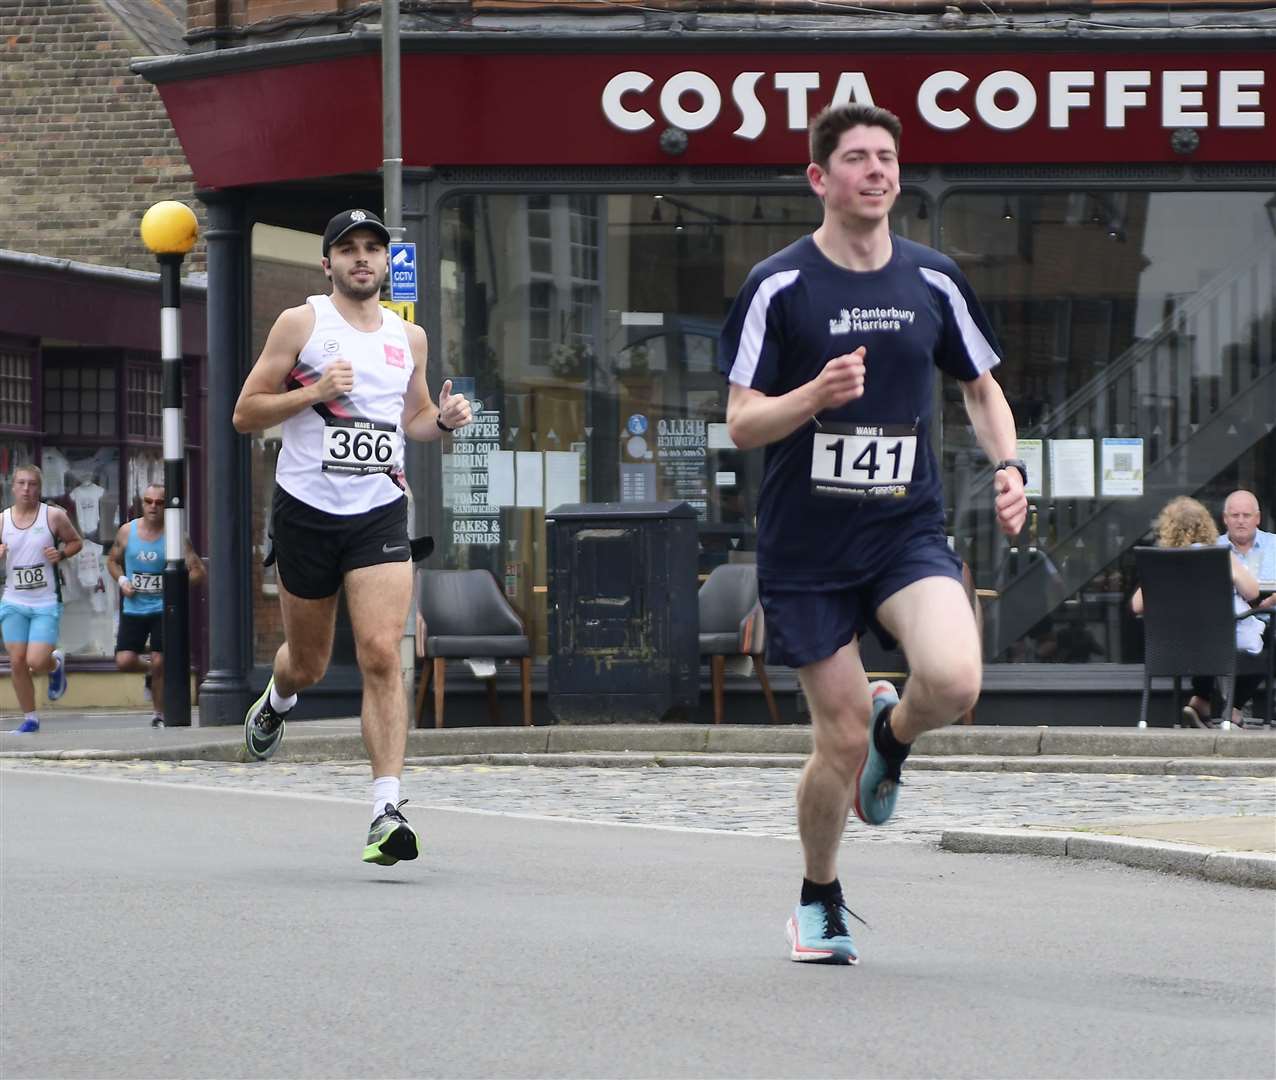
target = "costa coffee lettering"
x: 1004, y: 100
x: 796, y: 86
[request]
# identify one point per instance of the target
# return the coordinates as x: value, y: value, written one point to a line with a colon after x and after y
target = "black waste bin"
x: 623, y: 612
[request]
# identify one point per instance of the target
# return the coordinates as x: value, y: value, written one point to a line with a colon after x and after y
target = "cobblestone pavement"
x: 757, y: 802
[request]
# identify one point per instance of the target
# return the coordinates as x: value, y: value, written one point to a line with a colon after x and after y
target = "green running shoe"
x: 390, y: 838
x: 263, y: 727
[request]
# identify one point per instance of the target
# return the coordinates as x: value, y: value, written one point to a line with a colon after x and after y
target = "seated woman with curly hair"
x: 1184, y: 522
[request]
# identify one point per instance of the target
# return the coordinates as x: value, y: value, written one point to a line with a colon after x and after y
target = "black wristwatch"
x: 1014, y: 463
x: 442, y: 426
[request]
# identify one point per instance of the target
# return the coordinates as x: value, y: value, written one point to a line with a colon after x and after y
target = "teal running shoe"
x: 263, y: 727
x: 57, y: 677
x: 817, y: 933
x: 390, y: 838
x: 27, y: 727
x: 877, y: 784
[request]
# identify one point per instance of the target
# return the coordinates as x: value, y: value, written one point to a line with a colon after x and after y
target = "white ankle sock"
x: 32, y: 716
x: 281, y: 704
x: 385, y: 789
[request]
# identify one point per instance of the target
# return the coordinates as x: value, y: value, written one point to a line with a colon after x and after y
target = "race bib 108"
x: 29, y: 578
x: 359, y: 446
x: 863, y: 460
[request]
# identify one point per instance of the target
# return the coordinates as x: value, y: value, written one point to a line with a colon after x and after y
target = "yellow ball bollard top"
x: 169, y: 228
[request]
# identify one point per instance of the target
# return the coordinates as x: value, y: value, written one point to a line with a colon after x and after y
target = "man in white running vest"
x: 34, y: 539
x: 345, y: 378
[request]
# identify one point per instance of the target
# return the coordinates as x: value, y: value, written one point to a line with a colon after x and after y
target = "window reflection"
x: 588, y: 325
x: 1137, y: 329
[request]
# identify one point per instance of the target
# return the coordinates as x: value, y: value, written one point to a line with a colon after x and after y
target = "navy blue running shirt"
x: 840, y: 496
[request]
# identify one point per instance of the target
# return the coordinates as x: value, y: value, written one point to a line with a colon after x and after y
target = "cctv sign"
x: 403, y: 272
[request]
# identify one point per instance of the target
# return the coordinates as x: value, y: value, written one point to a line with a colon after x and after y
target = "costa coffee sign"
x: 749, y: 108
x: 753, y: 108
x: 947, y: 100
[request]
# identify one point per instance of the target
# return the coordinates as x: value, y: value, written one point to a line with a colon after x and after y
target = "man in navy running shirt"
x: 830, y: 350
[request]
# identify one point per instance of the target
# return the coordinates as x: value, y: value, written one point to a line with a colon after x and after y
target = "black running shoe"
x: 390, y: 838
x: 263, y: 727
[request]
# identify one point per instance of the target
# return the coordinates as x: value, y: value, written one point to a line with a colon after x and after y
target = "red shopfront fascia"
x: 320, y: 118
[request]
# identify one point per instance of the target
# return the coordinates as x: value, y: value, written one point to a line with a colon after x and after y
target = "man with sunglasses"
x: 136, y: 561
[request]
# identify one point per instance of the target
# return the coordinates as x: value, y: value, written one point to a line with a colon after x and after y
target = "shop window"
x: 145, y: 403
x: 15, y: 450
x: 594, y: 359
x: 1138, y: 330
x: 16, y: 388
x: 84, y: 481
x: 80, y: 400
x: 145, y: 467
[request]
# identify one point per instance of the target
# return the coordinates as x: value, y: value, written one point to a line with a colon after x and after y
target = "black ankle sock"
x: 813, y: 893
x: 884, y: 739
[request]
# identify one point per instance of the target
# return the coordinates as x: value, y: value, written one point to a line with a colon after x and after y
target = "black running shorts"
x: 135, y: 629
x: 315, y: 549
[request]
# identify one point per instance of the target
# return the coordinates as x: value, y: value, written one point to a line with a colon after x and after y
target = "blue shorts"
x: 21, y: 625
x: 809, y: 623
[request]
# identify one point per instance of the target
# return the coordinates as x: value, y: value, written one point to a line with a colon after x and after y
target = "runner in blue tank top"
x: 830, y: 350
x: 136, y: 561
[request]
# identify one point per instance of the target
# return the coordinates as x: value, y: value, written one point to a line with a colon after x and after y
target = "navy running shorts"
x: 315, y: 550
x: 809, y: 623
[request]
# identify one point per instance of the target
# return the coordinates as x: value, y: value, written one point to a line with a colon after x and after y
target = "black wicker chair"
x: 1189, y: 620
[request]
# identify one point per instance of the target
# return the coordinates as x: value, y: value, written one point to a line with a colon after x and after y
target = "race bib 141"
x: 863, y: 460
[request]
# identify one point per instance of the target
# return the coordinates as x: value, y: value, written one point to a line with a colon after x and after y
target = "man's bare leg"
x: 23, y: 685
x: 378, y: 598
x: 309, y: 626
x: 837, y: 693
x: 934, y: 624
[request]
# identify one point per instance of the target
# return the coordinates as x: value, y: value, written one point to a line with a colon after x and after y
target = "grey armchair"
x: 731, y: 624
x: 467, y: 616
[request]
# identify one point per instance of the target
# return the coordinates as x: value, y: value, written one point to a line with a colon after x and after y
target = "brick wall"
x: 235, y: 22
x: 85, y: 145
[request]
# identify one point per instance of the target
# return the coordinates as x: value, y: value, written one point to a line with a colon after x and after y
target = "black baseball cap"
x: 348, y: 220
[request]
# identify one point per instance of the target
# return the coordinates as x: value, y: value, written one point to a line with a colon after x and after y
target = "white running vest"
x: 30, y: 579
x: 346, y: 456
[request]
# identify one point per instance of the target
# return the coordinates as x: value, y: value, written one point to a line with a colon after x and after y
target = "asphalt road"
x: 151, y: 930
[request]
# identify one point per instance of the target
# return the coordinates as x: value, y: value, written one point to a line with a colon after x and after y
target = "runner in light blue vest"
x: 136, y: 561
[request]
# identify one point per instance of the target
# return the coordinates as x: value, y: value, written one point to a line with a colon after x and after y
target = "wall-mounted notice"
x: 1122, y: 468
x: 1029, y: 452
x: 1072, y: 468
x: 718, y: 437
x: 680, y: 461
x: 529, y: 489
x: 562, y: 478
